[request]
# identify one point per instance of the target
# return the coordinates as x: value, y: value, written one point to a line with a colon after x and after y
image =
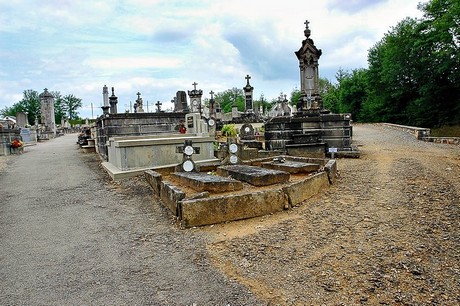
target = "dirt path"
x: 69, y: 236
x: 387, y: 233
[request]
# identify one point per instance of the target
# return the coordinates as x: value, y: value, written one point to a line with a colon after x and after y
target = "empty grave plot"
x: 240, y: 191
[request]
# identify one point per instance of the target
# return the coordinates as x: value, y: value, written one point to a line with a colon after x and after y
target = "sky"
x: 157, y: 47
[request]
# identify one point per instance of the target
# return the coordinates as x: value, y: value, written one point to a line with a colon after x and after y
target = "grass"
x: 446, y: 131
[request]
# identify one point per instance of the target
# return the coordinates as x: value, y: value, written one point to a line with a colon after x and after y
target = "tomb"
x: 235, y: 192
x: 312, y: 129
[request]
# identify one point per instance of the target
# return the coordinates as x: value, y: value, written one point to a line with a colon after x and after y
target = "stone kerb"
x: 206, y: 210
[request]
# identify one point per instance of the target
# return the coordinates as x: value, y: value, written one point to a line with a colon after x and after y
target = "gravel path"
x: 388, y: 233
x: 69, y: 236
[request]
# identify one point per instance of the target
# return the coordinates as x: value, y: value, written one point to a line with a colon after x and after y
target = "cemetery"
x: 205, y: 179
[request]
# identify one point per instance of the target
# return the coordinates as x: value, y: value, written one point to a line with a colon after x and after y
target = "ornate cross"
x: 138, y: 95
x: 306, y: 24
x: 212, y: 94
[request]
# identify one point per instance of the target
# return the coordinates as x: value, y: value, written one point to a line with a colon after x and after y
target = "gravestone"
x: 21, y: 119
x: 248, y: 92
x: 180, y: 102
x: 195, y: 99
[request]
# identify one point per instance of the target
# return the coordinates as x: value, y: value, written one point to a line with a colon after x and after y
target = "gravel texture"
x: 387, y: 233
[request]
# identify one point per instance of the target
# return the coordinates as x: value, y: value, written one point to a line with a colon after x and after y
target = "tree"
x: 229, y: 98
x: 71, y: 103
x: 30, y: 104
x: 60, y: 108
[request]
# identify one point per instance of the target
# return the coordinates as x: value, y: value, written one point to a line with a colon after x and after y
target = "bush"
x: 229, y: 130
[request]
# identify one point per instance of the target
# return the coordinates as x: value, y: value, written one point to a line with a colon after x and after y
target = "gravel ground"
x: 386, y: 233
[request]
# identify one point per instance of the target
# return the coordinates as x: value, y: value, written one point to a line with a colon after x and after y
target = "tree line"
x: 64, y: 106
x: 413, y: 74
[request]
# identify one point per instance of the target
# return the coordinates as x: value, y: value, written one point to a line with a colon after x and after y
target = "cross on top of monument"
x: 247, y: 78
x: 138, y: 95
x: 212, y: 94
x: 158, y: 104
x: 306, y: 23
x: 194, y: 85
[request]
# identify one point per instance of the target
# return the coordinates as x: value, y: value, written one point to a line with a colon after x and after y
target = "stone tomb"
x: 198, y: 199
x: 253, y: 175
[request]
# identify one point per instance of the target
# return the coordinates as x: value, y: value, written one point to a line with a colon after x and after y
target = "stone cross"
x: 158, y: 104
x: 247, y: 79
x: 194, y: 85
x: 306, y: 23
x: 138, y: 95
x: 212, y: 94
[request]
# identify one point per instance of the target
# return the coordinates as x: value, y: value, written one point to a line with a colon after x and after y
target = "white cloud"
x: 159, y: 47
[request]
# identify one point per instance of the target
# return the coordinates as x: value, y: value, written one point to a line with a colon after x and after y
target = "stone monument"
x: 195, y: 99
x: 48, y: 120
x: 311, y: 131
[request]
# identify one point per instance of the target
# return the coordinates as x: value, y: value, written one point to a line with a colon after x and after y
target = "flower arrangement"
x: 16, y: 143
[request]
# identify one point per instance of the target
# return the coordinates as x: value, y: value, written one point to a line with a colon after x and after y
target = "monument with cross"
x: 308, y: 56
x: 312, y: 130
x: 248, y: 95
x: 195, y: 99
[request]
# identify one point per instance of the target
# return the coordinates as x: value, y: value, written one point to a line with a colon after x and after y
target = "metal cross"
x: 306, y: 24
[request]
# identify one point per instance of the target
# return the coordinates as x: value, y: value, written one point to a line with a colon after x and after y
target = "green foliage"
x: 229, y: 130
x: 229, y: 98
x: 30, y: 104
x: 72, y: 103
x: 413, y: 76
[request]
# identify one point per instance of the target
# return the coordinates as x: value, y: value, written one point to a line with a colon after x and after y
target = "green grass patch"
x: 446, y: 131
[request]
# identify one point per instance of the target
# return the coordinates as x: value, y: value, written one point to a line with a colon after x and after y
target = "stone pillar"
x: 47, y: 112
x: 105, y: 99
x: 113, y: 103
x: 248, y: 92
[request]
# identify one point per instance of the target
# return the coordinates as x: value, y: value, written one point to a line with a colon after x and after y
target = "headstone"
x: 181, y: 102
x: 21, y: 119
x: 195, y: 125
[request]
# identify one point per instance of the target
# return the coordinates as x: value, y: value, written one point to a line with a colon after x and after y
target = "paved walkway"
x: 68, y: 236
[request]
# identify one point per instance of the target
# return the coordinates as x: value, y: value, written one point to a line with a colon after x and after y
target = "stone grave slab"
x: 253, y: 175
x: 292, y: 166
x: 201, y: 181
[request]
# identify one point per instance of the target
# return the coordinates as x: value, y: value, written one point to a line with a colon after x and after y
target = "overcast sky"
x: 157, y: 47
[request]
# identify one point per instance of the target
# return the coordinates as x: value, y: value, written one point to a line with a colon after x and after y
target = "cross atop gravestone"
x: 247, y: 79
x: 212, y: 110
x: 212, y: 94
x: 158, y: 105
x: 194, y: 85
x: 138, y: 95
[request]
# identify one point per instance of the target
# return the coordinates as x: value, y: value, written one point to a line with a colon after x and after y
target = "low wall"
x: 418, y: 132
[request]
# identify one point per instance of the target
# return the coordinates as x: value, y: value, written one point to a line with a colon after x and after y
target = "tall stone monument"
x: 113, y: 102
x: 308, y: 56
x: 48, y: 120
x: 248, y: 95
x: 105, y: 99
